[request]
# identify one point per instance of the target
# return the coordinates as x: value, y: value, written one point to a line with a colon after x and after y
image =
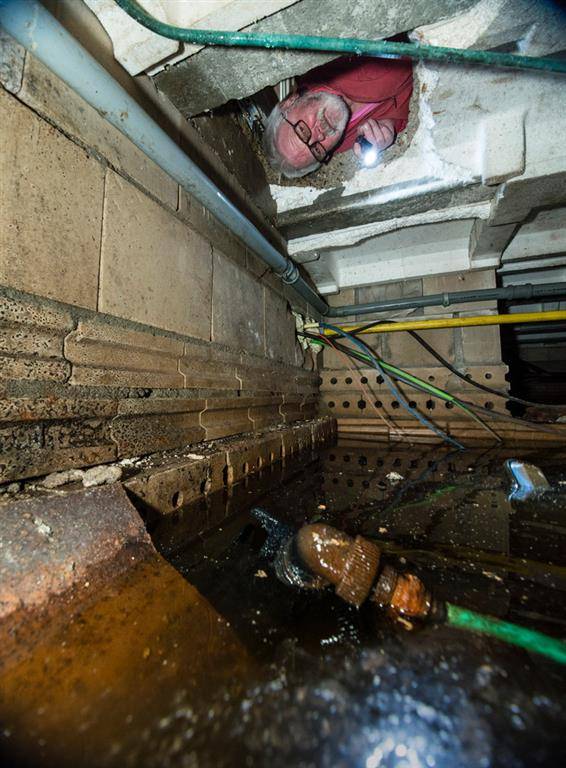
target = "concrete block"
x: 25, y: 455
x: 401, y: 349
x: 103, y: 354
x: 51, y: 214
x: 200, y: 219
x: 51, y: 97
x: 49, y: 545
x: 53, y: 407
x: 544, y: 235
x: 207, y: 368
x: 298, y: 438
x: 264, y: 273
x: 260, y: 375
x: 31, y: 341
x: 264, y: 412
x: 280, y: 332
x: 291, y: 407
x: 237, y: 307
x: 515, y: 199
x: 246, y: 457
x: 307, y: 382
x: 502, y: 146
x: 156, y: 424
x: 154, y: 269
x: 487, y: 243
x: 76, y: 433
x: 481, y: 344
x: 226, y: 416
x: 309, y: 406
x: 165, y: 489
x: 29, y: 369
x: 460, y: 281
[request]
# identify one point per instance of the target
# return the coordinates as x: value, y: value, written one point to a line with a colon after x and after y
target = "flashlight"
x: 370, y: 154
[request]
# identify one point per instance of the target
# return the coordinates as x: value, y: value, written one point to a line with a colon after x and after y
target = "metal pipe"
x: 353, y: 45
x: 453, y: 322
x: 510, y: 293
x: 46, y: 39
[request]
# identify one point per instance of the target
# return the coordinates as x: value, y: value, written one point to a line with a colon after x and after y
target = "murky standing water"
x: 202, y: 658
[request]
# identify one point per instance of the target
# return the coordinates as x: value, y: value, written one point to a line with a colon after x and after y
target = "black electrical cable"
x: 393, y: 388
x: 473, y: 406
x: 456, y: 372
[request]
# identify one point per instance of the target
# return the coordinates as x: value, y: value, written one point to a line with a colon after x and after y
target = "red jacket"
x: 386, y: 83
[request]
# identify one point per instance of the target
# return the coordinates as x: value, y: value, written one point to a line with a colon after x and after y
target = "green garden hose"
x: 528, y: 639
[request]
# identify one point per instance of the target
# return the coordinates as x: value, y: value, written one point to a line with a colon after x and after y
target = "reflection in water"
x: 214, y: 662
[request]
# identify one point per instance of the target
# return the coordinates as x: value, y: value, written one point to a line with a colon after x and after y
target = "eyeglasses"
x: 304, y: 133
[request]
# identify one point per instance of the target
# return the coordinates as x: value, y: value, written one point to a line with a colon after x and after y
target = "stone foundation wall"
x: 130, y: 319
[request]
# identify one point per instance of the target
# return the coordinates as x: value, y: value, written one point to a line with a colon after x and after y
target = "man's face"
x: 325, y: 114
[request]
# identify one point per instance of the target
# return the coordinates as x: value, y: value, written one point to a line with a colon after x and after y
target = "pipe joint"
x: 291, y: 273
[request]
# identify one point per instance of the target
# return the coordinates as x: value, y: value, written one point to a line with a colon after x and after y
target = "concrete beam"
x: 215, y: 75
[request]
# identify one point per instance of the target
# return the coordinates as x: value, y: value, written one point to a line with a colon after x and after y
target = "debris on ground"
x: 100, y: 475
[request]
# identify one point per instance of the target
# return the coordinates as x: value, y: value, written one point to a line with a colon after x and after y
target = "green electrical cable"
x: 525, y: 638
x: 420, y: 384
x: 352, y: 45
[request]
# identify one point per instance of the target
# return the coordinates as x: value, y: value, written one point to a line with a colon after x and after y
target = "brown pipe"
x: 352, y: 566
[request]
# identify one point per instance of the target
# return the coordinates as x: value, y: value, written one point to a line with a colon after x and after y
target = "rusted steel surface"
x: 50, y: 543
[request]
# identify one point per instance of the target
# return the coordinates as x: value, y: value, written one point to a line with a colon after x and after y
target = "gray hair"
x: 276, y: 159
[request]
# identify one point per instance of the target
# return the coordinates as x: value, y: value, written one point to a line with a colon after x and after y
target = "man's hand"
x: 380, y: 133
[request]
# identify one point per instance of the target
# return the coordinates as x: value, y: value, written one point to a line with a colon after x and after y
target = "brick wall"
x: 130, y: 319
x: 360, y: 399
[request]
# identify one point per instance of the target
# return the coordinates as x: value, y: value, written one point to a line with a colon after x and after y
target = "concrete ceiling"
x: 467, y: 184
x: 216, y: 75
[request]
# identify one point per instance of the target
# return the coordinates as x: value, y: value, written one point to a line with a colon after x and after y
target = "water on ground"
x: 201, y: 658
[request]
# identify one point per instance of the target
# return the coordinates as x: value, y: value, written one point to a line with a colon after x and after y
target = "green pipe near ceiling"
x: 352, y: 45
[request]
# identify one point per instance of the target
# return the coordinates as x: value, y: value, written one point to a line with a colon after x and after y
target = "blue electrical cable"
x: 392, y: 387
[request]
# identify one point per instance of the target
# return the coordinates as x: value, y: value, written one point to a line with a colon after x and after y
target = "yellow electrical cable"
x: 453, y: 322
